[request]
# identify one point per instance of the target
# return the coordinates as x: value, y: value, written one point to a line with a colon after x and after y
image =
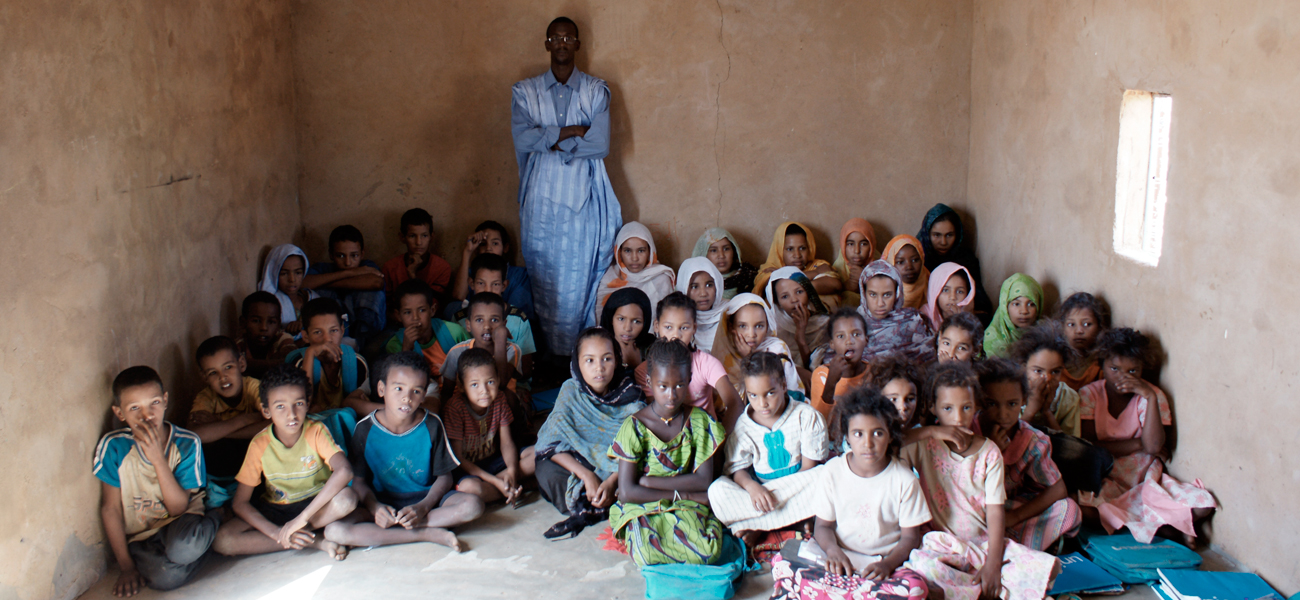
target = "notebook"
x: 1134, y: 562
x: 1185, y: 584
x: 1079, y: 574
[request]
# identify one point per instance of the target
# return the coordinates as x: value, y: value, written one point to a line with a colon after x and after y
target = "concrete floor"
x: 507, y: 557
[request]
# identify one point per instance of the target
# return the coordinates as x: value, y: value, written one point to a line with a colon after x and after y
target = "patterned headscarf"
x: 903, y: 330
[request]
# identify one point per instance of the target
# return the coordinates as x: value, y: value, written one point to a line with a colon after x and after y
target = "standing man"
x: 567, y: 210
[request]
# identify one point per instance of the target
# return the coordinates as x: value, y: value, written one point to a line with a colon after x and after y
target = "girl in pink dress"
x: 1127, y: 416
x: 968, y: 554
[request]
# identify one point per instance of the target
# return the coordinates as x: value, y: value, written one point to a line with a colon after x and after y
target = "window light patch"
x: 1141, y: 175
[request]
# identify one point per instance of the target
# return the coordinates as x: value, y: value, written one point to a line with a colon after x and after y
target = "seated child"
x: 1018, y: 309
x: 1128, y: 416
x: 967, y: 554
x: 676, y: 321
x: 263, y: 343
x: 488, y: 274
x: 960, y: 339
x: 303, y: 471
x: 478, y: 425
x: 905, y: 253
x: 891, y: 327
x: 152, y: 480
x: 899, y: 381
x: 857, y: 249
x: 1039, y: 513
x: 1084, y: 317
x: 719, y: 246
x: 950, y: 293
x: 800, y: 315
x: 627, y: 315
x: 283, y: 274
x: 845, y: 370
x: 793, y: 246
x: 421, y: 331
x: 636, y: 264
x: 770, y: 456
x: 333, y: 369
x: 702, y: 283
x: 353, y: 281
x: 1050, y: 404
x: 574, y: 471
x: 869, y: 513
x: 491, y: 237
x: 746, y: 327
x: 487, y: 331
x: 942, y: 236
x: 402, y: 465
x: 418, y: 262
x: 668, y: 444
x: 225, y: 415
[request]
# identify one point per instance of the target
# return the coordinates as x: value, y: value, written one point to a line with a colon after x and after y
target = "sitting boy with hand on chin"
x: 421, y: 331
x: 152, y: 480
x: 403, y: 467
x: 488, y: 331
x: 488, y: 274
x: 263, y: 342
x: 305, y: 474
x: 333, y: 369
x: 418, y: 262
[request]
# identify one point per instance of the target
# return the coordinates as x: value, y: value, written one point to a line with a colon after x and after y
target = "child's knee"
x: 470, y: 507
x: 344, y: 502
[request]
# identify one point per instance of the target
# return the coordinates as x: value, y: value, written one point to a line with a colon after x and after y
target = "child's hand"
x: 989, y: 579
x: 328, y: 352
x: 837, y: 367
x: 877, y: 571
x: 413, y: 264
x: 959, y: 436
x: 364, y: 270
x: 605, y: 494
x: 1136, y: 385
x: 293, y: 537
x: 148, y: 438
x: 855, y: 274
x: 763, y: 499
x: 591, y: 485
x: 293, y: 327
x: 409, y: 335
x: 837, y: 563
x: 1001, y: 435
x: 800, y: 316
x: 129, y: 583
x: 472, y: 244
x: 412, y: 516
x: 512, y: 488
x: 500, y: 336
x: 385, y: 516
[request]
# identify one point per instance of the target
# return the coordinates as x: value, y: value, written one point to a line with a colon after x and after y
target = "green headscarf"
x: 1001, y: 332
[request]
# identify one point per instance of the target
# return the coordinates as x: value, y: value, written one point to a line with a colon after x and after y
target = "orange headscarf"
x: 774, y: 255
x: 914, y: 293
x: 854, y: 225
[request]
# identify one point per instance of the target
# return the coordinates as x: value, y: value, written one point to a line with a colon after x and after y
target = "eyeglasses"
x: 562, y: 39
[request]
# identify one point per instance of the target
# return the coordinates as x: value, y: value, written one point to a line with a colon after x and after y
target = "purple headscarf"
x: 903, y: 331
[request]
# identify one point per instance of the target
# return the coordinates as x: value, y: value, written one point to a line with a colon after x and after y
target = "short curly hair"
x: 283, y: 376
x: 1124, y: 342
x: 867, y: 400
x: 946, y: 375
x: 1046, y: 335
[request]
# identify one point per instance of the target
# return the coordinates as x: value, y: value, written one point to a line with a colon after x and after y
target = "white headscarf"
x: 706, y: 321
x: 724, y: 349
x: 815, y: 334
x: 271, y: 279
x: 656, y: 280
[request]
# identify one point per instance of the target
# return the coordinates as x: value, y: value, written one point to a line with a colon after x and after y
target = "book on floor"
x: 1186, y: 584
x: 1079, y: 574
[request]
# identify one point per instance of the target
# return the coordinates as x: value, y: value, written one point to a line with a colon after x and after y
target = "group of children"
x: 902, y: 432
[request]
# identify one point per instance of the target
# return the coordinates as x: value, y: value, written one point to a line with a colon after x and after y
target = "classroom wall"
x: 740, y: 114
x: 1046, y: 82
x: 146, y: 161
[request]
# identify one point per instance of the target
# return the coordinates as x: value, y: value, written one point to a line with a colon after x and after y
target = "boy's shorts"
x: 492, y: 464
x: 280, y: 513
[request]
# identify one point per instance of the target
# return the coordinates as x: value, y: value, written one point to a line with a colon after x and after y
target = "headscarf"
x: 724, y: 349
x: 815, y: 334
x: 623, y: 298
x: 1001, y: 332
x: 583, y: 423
x: 655, y: 280
x: 706, y: 321
x: 271, y: 279
x: 741, y: 276
x: 903, y: 330
x: 913, y: 294
x: 854, y: 225
x: 938, y: 279
x: 774, y: 254
x: 960, y: 253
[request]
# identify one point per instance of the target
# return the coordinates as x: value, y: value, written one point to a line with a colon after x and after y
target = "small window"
x: 1141, y: 173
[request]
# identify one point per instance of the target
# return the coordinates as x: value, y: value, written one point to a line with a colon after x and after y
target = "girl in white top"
x: 636, y: 264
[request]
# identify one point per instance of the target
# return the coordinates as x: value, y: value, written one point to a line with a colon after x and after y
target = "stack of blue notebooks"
x: 1182, y: 584
x: 1080, y: 575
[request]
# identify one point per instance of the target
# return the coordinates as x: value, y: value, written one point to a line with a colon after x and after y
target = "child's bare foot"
x: 335, y: 551
x: 443, y: 537
x: 750, y: 537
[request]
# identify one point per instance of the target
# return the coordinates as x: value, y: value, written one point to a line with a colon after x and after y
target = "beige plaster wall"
x: 1045, y: 96
x: 146, y: 161
x: 743, y: 114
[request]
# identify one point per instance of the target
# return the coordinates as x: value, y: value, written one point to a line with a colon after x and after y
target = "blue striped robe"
x: 568, y: 213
